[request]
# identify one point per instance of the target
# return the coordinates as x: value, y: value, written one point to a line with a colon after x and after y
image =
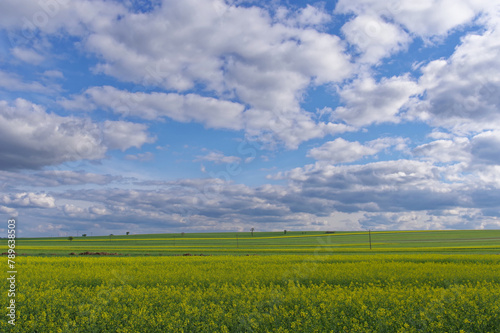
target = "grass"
x: 298, y: 242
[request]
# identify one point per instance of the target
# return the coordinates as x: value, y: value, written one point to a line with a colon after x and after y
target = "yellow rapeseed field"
x: 276, y: 293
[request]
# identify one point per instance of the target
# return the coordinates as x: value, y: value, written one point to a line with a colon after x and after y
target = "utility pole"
x: 370, y: 237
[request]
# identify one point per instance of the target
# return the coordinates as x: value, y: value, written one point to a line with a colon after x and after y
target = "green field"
x: 298, y: 242
x: 276, y: 293
x: 409, y: 281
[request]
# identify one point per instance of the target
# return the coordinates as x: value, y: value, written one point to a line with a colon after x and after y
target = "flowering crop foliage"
x: 277, y: 293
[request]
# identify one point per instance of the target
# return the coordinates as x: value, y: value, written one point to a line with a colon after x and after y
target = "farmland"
x: 445, y: 281
x: 460, y: 241
x: 279, y: 293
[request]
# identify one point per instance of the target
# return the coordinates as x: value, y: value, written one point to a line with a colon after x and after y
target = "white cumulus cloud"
x: 341, y: 151
x: 27, y: 129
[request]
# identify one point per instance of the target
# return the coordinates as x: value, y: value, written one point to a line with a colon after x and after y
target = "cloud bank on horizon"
x: 213, y: 115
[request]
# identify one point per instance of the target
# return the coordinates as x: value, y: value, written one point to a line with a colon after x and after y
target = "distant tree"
x: 70, y: 238
x: 110, y: 235
x: 284, y: 232
x: 128, y: 232
x: 182, y: 234
x: 252, y: 231
x: 84, y: 235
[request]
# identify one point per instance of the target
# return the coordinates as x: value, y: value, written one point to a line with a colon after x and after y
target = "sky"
x: 210, y: 115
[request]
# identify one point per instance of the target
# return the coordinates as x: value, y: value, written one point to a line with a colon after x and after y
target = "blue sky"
x: 212, y: 115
